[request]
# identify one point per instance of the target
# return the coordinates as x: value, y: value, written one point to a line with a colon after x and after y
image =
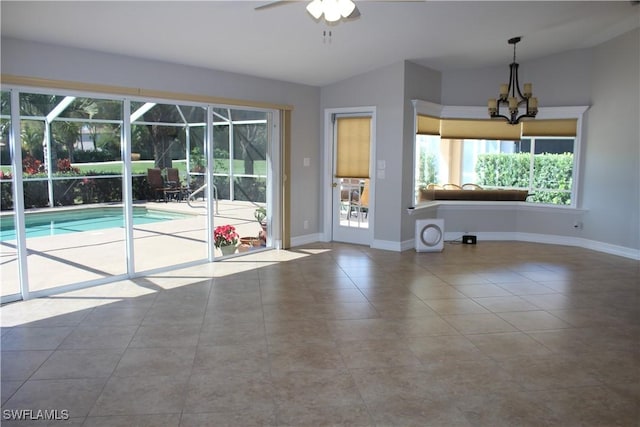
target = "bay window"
x: 538, y: 157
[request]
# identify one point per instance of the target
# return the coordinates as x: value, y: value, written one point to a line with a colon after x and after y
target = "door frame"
x: 327, y: 176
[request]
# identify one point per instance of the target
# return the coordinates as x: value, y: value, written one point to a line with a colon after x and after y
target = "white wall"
x: 31, y: 59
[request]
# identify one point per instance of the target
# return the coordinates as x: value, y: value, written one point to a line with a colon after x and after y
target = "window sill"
x: 494, y: 205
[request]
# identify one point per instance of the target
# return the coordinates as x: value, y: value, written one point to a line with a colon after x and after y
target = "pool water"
x: 73, y: 221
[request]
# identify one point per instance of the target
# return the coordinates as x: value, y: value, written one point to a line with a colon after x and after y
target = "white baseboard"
x: 389, y: 245
x: 306, y: 239
x: 554, y: 240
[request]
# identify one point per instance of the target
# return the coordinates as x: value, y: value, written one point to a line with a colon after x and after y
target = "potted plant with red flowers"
x: 225, y: 238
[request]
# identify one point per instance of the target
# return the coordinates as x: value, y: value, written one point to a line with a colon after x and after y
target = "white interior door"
x: 352, y: 211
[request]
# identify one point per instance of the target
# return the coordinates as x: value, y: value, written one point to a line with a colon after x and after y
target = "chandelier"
x: 519, y: 103
x: 333, y: 10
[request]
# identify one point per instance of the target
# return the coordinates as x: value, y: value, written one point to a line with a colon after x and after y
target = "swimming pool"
x: 40, y: 224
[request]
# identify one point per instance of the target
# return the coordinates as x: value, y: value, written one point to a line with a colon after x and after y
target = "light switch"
x: 382, y: 164
x: 306, y: 161
x: 381, y: 174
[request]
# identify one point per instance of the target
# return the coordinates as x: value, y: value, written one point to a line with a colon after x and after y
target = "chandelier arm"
x: 516, y: 81
x: 510, y: 88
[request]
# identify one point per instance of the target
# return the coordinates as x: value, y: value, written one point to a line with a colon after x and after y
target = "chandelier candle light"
x: 512, y: 97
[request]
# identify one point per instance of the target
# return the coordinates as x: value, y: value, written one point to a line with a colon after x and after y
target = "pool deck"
x: 92, y: 255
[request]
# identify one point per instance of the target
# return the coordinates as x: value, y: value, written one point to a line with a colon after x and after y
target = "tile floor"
x: 498, y: 334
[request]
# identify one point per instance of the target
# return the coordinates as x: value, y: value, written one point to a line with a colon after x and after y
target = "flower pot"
x: 250, y: 241
x: 228, y: 250
x: 244, y: 247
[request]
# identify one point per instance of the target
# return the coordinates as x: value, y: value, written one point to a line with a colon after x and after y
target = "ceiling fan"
x: 332, y: 10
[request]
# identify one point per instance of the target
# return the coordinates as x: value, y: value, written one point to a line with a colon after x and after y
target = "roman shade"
x: 494, y: 129
x: 428, y: 125
x: 478, y: 129
x: 563, y: 127
x: 353, y: 140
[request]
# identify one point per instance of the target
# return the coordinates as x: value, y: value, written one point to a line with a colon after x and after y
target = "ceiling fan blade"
x: 355, y: 14
x: 273, y: 4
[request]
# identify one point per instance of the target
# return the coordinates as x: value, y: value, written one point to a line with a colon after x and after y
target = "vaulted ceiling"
x: 284, y: 42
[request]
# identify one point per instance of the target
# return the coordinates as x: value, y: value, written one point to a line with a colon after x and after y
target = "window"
x: 538, y: 157
x: 543, y: 166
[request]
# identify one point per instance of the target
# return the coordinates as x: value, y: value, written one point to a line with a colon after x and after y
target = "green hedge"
x: 551, y: 172
x: 72, y: 191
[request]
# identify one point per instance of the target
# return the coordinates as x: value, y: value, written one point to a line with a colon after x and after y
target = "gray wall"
x: 558, y: 80
x: 30, y: 59
x: 605, y: 77
x: 419, y: 83
x: 382, y: 88
x: 611, y: 180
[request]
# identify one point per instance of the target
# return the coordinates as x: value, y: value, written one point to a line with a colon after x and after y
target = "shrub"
x: 91, y: 188
x: 551, y: 172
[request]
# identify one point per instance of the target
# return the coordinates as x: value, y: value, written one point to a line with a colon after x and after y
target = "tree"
x: 162, y: 136
x: 252, y: 139
x: 167, y: 133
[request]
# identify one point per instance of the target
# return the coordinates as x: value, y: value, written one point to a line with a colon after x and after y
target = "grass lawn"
x: 140, y: 167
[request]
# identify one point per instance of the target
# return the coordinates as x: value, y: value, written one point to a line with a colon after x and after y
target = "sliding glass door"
x: 116, y: 187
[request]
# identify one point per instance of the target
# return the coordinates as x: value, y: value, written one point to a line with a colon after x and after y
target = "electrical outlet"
x: 305, y: 224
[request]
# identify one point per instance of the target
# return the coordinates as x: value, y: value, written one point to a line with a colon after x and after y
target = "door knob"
x: 334, y: 185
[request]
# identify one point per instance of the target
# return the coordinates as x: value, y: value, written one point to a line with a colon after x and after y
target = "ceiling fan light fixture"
x: 331, y: 10
x: 315, y: 8
x: 346, y: 7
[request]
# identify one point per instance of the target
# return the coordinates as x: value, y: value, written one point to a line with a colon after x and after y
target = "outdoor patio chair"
x: 156, y: 183
x: 158, y: 188
x: 364, y: 199
x: 173, y: 184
